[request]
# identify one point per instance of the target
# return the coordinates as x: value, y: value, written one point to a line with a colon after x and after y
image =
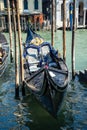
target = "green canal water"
x: 80, y: 47
x: 27, y: 114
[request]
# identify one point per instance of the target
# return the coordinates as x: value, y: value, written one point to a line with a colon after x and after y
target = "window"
x: 25, y: 4
x: 5, y: 4
x: 35, y: 4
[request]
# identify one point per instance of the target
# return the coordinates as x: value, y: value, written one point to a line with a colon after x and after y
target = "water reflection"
x: 27, y: 114
x: 72, y: 116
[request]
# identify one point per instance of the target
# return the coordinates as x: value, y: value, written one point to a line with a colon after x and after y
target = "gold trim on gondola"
x: 37, y: 41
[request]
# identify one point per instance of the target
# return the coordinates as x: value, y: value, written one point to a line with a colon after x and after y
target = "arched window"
x: 25, y: 4
x: 35, y: 4
x: 5, y: 3
x: 81, y: 13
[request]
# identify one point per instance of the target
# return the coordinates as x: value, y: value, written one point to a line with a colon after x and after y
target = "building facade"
x: 81, y: 13
x: 29, y: 9
x: 40, y: 10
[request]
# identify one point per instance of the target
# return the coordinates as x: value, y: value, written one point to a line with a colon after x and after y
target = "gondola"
x: 45, y: 73
x: 4, y: 49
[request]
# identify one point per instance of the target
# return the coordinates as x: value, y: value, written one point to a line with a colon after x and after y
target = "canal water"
x: 27, y: 114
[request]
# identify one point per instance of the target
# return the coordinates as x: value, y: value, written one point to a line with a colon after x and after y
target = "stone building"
x: 29, y: 10
x: 40, y: 10
x: 81, y: 12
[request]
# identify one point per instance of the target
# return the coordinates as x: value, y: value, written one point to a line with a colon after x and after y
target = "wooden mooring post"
x: 64, y: 30
x: 16, y: 53
x: 53, y: 22
x: 10, y: 29
x: 73, y: 40
x: 20, y: 48
x: 55, y: 15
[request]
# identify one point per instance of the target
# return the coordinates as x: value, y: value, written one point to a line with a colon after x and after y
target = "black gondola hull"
x: 46, y: 74
x: 46, y: 93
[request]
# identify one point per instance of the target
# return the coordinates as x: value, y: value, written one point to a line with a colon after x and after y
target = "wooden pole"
x: 16, y: 54
x: 35, y: 26
x: 10, y: 30
x: 64, y: 30
x: 55, y: 15
x: 53, y: 22
x: 73, y: 40
x: 20, y: 48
